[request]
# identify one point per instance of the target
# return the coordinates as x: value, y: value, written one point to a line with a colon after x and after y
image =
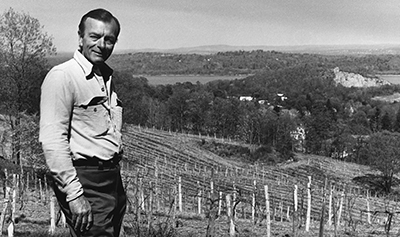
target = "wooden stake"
x: 230, y: 216
x: 141, y: 195
x: 253, y: 205
x: 368, y: 209
x: 321, y: 224
x: 34, y: 180
x: 340, y: 208
x: 220, y: 203
x: 52, y: 228
x: 268, y: 214
x: 234, y: 198
x: 40, y: 190
x: 14, y: 198
x: 10, y: 229
x: 156, y: 191
x: 180, y: 194
x: 5, y: 206
x: 5, y: 182
x: 330, y: 207
x: 198, y: 198
x: 295, y: 198
x: 27, y: 182
x: 308, y: 218
x: 45, y: 193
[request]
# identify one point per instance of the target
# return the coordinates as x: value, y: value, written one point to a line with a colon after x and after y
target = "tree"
x: 386, y: 122
x: 23, y: 64
x: 133, y: 93
x: 178, y: 108
x: 374, y: 115
x: 396, y: 125
x: 284, y: 140
x: 382, y: 152
x: 359, y: 123
x: 343, y: 143
x: 224, y: 117
x: 199, y: 106
x: 320, y: 127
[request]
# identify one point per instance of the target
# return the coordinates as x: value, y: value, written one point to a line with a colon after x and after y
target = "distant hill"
x: 211, y: 49
x: 314, y: 49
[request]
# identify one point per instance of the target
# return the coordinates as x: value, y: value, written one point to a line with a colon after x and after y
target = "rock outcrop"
x: 348, y: 79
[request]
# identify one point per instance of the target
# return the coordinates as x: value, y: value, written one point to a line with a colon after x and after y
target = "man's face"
x: 98, y: 40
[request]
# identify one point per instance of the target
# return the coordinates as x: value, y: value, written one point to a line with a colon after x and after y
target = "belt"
x: 96, y: 162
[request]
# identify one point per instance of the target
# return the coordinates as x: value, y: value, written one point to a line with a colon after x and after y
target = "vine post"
x: 267, y: 209
x: 229, y: 211
x: 308, y: 217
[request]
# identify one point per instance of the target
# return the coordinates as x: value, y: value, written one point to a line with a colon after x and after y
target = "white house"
x: 246, y: 98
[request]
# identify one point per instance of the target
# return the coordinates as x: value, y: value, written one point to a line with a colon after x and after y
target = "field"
x: 176, y: 187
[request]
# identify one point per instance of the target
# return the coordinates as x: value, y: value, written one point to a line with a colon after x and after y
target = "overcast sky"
x: 166, y: 24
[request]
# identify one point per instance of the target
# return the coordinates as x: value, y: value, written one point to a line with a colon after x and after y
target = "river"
x: 203, y: 79
x: 395, y: 79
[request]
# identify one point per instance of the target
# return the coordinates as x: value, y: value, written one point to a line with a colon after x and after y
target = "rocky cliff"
x: 348, y: 79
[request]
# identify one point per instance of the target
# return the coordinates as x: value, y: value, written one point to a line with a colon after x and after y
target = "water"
x: 395, y: 79
x: 168, y: 79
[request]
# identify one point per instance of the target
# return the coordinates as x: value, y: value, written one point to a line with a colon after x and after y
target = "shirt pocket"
x: 92, y: 116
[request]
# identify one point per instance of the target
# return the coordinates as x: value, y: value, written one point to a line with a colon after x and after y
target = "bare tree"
x: 382, y: 153
x: 23, y: 50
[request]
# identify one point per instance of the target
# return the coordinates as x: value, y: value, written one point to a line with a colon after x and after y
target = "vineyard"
x: 177, y: 188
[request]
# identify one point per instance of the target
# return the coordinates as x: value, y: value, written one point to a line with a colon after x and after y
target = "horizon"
x: 283, y: 48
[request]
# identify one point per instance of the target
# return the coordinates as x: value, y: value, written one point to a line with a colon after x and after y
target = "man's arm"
x: 55, y: 113
x: 56, y: 106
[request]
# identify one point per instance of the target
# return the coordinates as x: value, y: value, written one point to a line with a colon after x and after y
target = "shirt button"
x: 95, y: 110
x: 102, y: 89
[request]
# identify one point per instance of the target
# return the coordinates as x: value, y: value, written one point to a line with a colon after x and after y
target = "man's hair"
x: 101, y: 15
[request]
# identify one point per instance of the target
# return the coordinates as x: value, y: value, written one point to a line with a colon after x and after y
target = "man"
x: 80, y: 131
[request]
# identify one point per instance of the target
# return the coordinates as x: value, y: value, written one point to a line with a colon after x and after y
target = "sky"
x: 168, y: 24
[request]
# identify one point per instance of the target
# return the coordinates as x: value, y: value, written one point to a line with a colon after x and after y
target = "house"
x: 263, y: 102
x: 246, y: 98
x: 281, y: 96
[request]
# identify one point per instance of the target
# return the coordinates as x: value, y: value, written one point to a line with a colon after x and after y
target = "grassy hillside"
x: 145, y: 147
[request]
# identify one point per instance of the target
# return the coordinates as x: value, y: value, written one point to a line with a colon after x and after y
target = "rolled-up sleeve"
x: 56, y: 104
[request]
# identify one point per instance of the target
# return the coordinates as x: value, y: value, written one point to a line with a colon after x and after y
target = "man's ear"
x: 80, y: 40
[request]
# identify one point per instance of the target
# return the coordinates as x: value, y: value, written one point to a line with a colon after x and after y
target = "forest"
x: 329, y: 112
x: 338, y: 121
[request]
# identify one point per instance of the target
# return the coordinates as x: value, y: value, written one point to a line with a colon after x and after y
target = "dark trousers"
x: 106, y: 195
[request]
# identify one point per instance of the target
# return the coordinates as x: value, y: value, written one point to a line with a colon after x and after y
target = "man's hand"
x: 82, y: 218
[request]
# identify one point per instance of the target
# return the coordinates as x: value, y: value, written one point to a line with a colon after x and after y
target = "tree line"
x: 247, y: 62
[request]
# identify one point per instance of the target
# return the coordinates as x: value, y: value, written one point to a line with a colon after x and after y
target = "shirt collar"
x: 87, y: 66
